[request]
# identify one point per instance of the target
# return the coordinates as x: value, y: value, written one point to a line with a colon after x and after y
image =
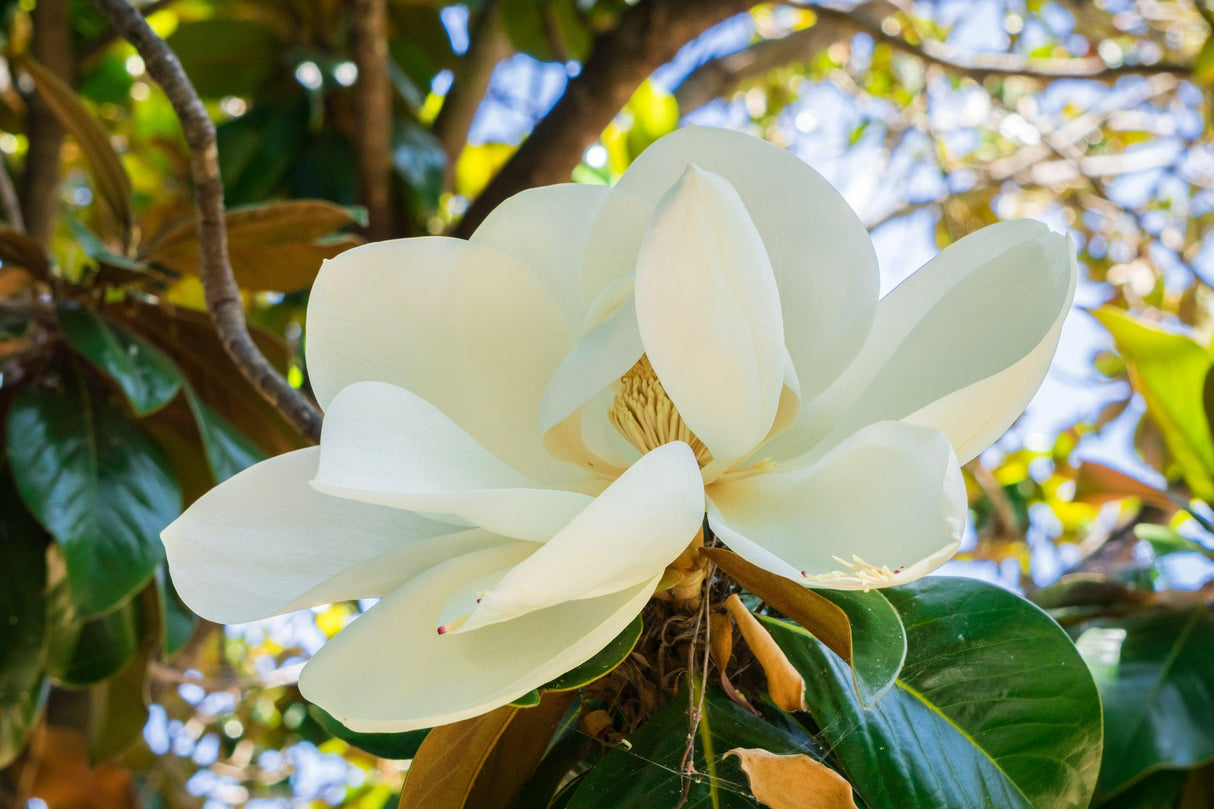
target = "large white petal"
x: 709, y: 314
x: 391, y: 671
x: 891, y: 495
x: 822, y: 257
x: 264, y: 542
x: 463, y: 325
x: 635, y: 528
x: 545, y: 229
x: 383, y: 444
x: 961, y: 345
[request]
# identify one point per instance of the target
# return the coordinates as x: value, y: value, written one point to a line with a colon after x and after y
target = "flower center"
x: 644, y: 414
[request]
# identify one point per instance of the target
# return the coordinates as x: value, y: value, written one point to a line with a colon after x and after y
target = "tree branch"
x: 978, y: 68
x: 10, y: 205
x: 373, y: 98
x: 488, y: 45
x: 52, y: 46
x: 648, y: 36
x: 222, y: 295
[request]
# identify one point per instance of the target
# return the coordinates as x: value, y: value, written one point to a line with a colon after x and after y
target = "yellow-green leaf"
x: 1169, y: 370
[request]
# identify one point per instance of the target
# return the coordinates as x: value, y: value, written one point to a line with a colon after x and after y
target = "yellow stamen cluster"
x: 870, y: 576
x: 644, y: 414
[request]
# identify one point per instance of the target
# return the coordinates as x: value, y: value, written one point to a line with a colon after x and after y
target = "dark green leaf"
x: 177, y: 622
x: 103, y: 646
x: 146, y: 375
x: 227, y: 56
x: 993, y: 708
x: 22, y: 598
x: 228, y: 452
x: 862, y: 628
x: 1159, y: 790
x: 612, y: 655
x: 1156, y: 677
x: 22, y: 620
x: 644, y: 772
x: 258, y: 149
x: 384, y: 745
x: 97, y: 482
x: 118, y: 706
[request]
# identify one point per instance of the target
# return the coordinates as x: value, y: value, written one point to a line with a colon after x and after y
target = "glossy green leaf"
x: 1169, y: 370
x: 644, y: 772
x: 97, y: 482
x: 612, y: 655
x: 146, y: 375
x: 1155, y: 672
x: 993, y: 708
x: 227, y: 451
x: 384, y: 745
x: 861, y: 627
x: 528, y: 700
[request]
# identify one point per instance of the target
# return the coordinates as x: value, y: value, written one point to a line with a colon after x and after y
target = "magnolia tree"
x: 636, y: 485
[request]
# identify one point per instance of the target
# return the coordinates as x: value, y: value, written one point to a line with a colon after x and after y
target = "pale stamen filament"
x: 869, y: 576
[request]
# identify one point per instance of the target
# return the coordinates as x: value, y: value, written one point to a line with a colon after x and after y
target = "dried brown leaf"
x: 793, y: 782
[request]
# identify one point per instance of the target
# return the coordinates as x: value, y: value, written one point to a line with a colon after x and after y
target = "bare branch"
x: 373, y: 96
x: 52, y: 46
x: 648, y: 36
x: 487, y: 45
x: 222, y: 294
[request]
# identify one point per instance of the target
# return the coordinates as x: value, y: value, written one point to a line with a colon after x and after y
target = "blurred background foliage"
x: 934, y: 119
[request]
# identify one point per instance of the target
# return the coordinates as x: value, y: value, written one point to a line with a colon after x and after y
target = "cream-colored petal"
x: 709, y: 314
x: 382, y: 444
x: 635, y: 528
x: 264, y: 542
x: 823, y: 260
x: 462, y: 325
x: 390, y: 670
x: 545, y: 230
x: 884, y: 507
x: 961, y: 345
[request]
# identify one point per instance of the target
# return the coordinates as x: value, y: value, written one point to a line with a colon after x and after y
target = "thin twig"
x: 222, y: 295
x: 373, y: 96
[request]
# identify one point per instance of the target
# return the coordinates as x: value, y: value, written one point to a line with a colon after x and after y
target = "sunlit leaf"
x: 1169, y: 370
x: 274, y: 245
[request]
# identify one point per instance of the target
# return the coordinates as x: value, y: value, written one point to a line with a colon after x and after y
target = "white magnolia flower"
x: 521, y: 428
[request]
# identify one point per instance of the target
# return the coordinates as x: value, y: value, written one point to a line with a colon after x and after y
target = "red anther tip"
x: 442, y: 630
